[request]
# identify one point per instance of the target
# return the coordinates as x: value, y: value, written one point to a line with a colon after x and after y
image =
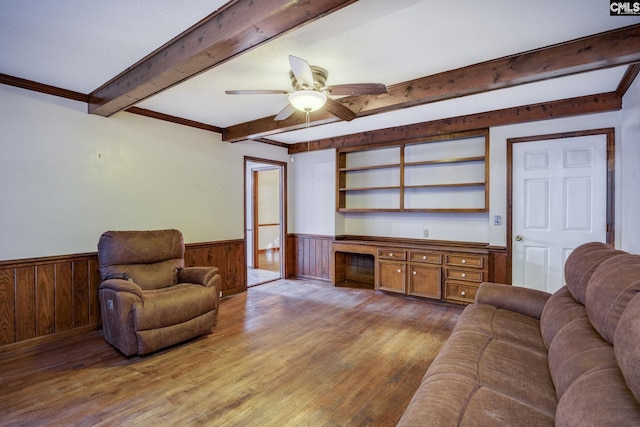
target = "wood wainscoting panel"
x: 498, y: 264
x: 64, y: 296
x: 43, y: 299
x: 50, y: 298
x: 310, y: 256
x: 230, y: 258
x: 25, y: 303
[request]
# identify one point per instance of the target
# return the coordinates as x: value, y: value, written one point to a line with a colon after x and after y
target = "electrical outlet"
x: 110, y: 304
x: 497, y: 220
x: 425, y: 232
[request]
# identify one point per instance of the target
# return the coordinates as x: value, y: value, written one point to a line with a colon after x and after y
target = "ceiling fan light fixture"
x: 307, y: 100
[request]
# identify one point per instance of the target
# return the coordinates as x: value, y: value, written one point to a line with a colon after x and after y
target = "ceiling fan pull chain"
x: 307, y: 122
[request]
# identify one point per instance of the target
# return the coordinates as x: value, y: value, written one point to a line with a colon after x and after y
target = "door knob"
x: 519, y: 238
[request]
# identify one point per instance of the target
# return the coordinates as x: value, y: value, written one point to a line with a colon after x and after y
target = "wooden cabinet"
x: 437, y: 274
x: 463, y: 275
x: 410, y: 272
x: 392, y: 269
x: 425, y: 274
x: 440, y: 174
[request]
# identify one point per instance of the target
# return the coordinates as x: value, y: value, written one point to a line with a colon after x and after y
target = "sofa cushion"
x: 560, y: 310
x: 173, y: 305
x: 148, y: 276
x: 599, y: 397
x: 581, y: 264
x: 576, y: 349
x: 504, y: 325
x: 627, y: 345
x: 502, y: 367
x: 150, y: 258
x: 455, y: 400
x: 614, y: 283
x: 140, y: 247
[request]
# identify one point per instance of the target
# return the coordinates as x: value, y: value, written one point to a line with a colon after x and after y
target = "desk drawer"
x: 460, y: 292
x: 467, y: 275
x: 395, y: 254
x: 464, y: 260
x: 426, y: 257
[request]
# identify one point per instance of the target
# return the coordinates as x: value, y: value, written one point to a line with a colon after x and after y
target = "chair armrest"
x: 526, y: 301
x: 198, y: 275
x: 120, y: 285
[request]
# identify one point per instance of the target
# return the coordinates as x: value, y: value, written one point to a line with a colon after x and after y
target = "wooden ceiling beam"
x: 237, y: 27
x: 173, y: 119
x: 591, y: 104
x: 604, y: 50
x: 627, y: 79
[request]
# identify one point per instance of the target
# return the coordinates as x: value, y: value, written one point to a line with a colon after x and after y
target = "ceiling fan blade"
x: 339, y: 110
x: 358, y: 89
x: 285, y: 112
x: 301, y: 70
x: 257, y: 92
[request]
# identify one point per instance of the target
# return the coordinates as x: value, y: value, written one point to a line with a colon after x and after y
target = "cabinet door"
x: 391, y: 276
x: 425, y: 281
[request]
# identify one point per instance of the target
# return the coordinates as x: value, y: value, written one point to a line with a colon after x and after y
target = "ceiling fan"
x: 310, y: 93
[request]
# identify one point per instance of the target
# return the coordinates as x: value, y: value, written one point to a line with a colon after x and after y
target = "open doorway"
x: 265, y: 221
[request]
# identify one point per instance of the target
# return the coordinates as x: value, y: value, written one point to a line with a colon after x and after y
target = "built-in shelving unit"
x: 436, y: 174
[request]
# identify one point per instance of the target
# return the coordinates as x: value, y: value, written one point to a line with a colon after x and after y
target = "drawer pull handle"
x: 414, y: 273
x: 399, y: 271
x: 463, y: 275
x: 424, y: 257
x: 390, y: 253
x: 464, y: 261
x: 463, y: 293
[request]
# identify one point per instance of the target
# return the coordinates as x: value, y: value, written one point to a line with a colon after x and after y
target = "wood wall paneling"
x: 25, y: 303
x: 80, y: 294
x: 311, y: 256
x: 7, y: 306
x: 230, y: 258
x: 498, y: 265
x: 44, y: 299
x: 64, y: 296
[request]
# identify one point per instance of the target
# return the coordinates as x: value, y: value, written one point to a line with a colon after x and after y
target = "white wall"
x: 67, y: 176
x: 315, y: 187
x: 311, y: 184
x: 629, y: 155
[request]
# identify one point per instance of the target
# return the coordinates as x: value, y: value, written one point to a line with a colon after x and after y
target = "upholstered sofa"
x: 520, y: 357
x: 148, y: 299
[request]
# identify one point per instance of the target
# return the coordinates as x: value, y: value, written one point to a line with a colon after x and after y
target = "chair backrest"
x: 150, y: 258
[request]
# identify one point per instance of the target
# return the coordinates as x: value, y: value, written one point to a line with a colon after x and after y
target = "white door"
x: 559, y: 202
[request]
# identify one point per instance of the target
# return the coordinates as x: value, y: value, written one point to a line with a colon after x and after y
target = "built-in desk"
x: 450, y: 271
x: 353, y: 264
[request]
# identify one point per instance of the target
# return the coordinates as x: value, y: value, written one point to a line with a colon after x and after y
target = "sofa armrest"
x: 121, y: 285
x: 515, y: 298
x: 198, y: 275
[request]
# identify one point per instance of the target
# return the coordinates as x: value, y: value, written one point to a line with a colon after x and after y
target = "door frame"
x: 610, y: 220
x: 282, y: 166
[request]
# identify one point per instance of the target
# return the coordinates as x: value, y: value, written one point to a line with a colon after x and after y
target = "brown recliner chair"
x: 148, y: 299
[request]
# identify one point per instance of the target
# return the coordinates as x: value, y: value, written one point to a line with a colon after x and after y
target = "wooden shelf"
x: 446, y: 173
x: 368, y: 168
x: 462, y: 184
x: 445, y: 161
x: 394, y: 187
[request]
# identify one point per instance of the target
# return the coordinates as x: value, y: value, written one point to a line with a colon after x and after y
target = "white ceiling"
x: 79, y: 45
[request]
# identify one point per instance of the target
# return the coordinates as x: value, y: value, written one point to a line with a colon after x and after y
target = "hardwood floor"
x: 269, y: 260
x: 287, y: 353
